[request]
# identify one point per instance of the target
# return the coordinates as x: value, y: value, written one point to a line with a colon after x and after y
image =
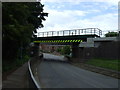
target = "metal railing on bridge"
x: 86, y: 31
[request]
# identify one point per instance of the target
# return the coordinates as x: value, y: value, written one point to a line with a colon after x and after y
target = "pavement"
x: 64, y: 75
x: 17, y: 79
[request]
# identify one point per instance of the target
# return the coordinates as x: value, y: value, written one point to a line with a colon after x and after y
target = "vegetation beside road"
x: 112, y: 34
x: 8, y: 65
x: 105, y: 63
x: 20, y: 24
x: 65, y: 50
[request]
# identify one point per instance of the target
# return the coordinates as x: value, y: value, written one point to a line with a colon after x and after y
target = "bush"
x: 59, y: 50
x: 66, y: 50
x: 111, y: 34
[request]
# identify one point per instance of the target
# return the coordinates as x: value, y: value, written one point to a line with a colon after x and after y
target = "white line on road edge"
x: 38, y: 86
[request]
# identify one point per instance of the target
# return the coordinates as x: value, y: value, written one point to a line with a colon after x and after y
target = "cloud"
x: 62, y: 17
x: 67, y: 19
x: 113, y: 2
x: 62, y: 21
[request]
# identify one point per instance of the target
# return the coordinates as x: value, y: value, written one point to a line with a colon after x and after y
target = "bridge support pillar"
x: 75, y: 50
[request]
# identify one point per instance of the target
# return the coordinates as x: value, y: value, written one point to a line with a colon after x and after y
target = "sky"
x: 78, y: 14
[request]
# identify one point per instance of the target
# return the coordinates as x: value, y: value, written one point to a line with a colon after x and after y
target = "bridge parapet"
x: 86, y: 31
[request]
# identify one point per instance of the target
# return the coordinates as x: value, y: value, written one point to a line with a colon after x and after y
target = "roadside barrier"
x: 33, y: 83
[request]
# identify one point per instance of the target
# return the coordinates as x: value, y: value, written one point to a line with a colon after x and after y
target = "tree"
x: 66, y: 50
x: 20, y: 21
x: 111, y: 34
x: 59, y: 50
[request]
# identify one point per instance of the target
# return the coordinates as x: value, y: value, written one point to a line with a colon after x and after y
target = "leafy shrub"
x: 111, y: 34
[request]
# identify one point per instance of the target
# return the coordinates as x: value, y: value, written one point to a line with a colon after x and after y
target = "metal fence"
x: 86, y: 31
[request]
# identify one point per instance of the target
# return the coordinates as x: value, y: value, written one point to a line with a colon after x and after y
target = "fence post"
x: 52, y: 33
x: 43, y: 34
x: 85, y: 31
x: 91, y: 30
x: 94, y: 30
x: 75, y: 32
x: 99, y: 32
x: 47, y: 34
x: 79, y: 31
x: 63, y: 33
x: 69, y: 32
x: 57, y: 33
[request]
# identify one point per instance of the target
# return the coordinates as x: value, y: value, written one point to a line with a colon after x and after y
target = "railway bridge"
x: 67, y: 37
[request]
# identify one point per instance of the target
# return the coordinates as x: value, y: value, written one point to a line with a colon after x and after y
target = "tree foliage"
x: 66, y: 50
x: 111, y: 34
x: 20, y: 21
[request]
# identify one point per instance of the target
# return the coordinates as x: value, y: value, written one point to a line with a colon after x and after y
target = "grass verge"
x: 105, y: 63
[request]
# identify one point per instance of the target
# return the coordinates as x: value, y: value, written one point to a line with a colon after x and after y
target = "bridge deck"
x: 76, y: 35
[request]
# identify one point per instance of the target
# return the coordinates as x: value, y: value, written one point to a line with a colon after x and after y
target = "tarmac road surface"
x: 64, y: 75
